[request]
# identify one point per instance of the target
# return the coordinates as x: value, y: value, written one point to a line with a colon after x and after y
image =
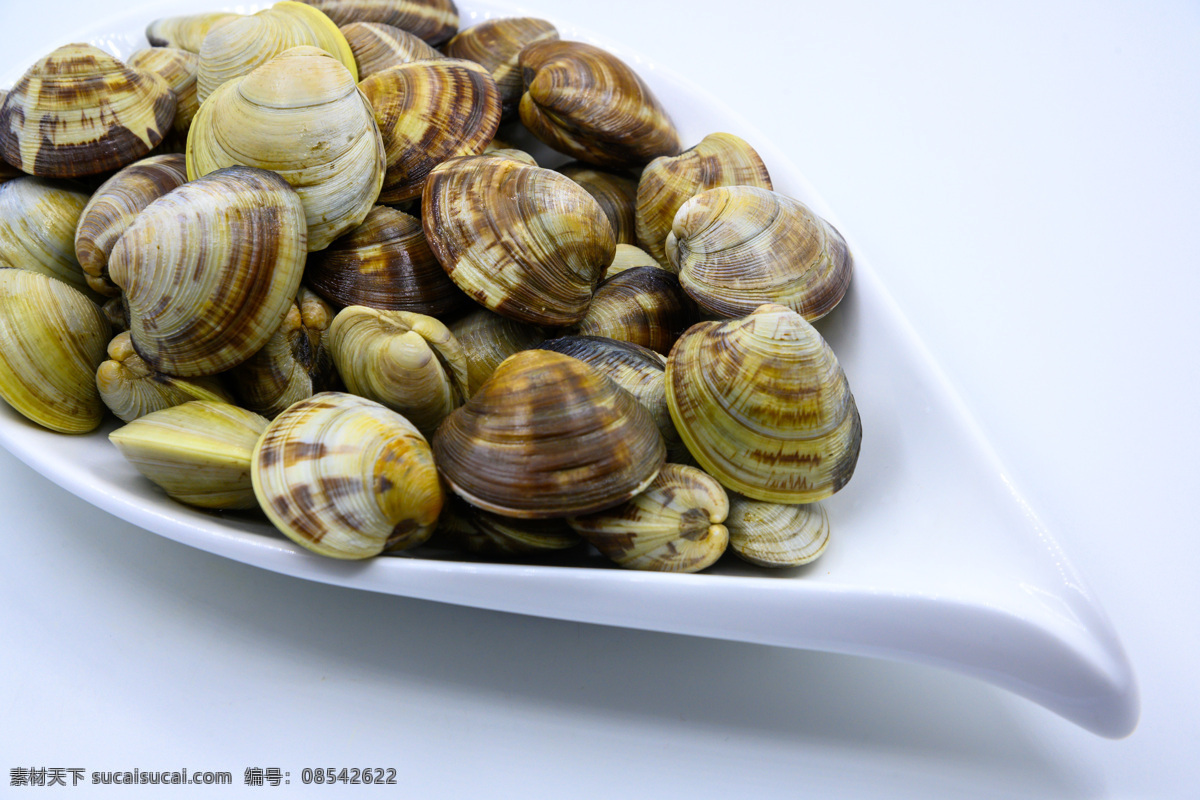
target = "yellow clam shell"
x: 131, y: 388
x: 37, y: 227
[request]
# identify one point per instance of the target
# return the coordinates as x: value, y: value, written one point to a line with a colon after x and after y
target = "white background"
x: 1025, y: 177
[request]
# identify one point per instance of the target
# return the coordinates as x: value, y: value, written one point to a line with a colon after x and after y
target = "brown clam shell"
x: 79, y: 111
x: 721, y: 159
x: 643, y: 305
x: 377, y: 47
x: 616, y: 194
x: 547, y: 436
x: 496, y: 44
x: 428, y: 112
x: 433, y: 21
x: 585, y: 102
x: 523, y: 241
x: 384, y: 263
x: 112, y: 209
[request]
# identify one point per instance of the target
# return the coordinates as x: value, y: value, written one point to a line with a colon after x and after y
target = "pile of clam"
x: 289, y: 251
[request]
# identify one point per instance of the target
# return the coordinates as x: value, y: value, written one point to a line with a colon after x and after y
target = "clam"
x: 547, y: 436
x: 764, y: 407
x: 636, y: 369
x: 198, y: 452
x: 627, y: 257
x: 523, y: 241
x: 179, y: 68
x: 112, y: 209
x: 239, y: 46
x: 185, y: 32
x: 643, y: 305
x: 427, y: 112
x: 300, y: 115
x: 210, y: 268
x: 721, y: 159
x: 384, y: 263
x: 738, y: 247
x: 776, y: 535
x: 496, y: 44
x: 409, y: 362
x: 482, y: 533
x: 674, y: 525
x: 377, y: 47
x: 295, y: 363
x: 131, y: 388
x: 347, y: 478
x: 52, y: 339
x: 433, y: 21
x: 79, y: 111
x: 487, y: 339
x: 37, y: 227
x: 585, y: 102
x: 616, y: 194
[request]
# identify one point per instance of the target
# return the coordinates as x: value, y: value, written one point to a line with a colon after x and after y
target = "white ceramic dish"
x: 934, y: 557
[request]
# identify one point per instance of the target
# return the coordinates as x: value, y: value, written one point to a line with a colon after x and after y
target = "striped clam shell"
x: 433, y: 21
x: 616, y: 194
x: 764, y: 406
x: 721, y: 159
x: 114, y: 206
x: 37, y: 227
x: 585, y: 102
x: 347, y: 478
x: 78, y: 111
x: 643, y: 305
x: 239, y: 46
x: 428, y: 112
x: 737, y: 247
x: 300, y: 115
x: 496, y: 44
x: 377, y: 47
x: 179, y: 68
x: 674, y: 525
x: 547, y: 436
x: 522, y: 241
x: 209, y: 269
x: 52, y: 339
x: 777, y: 535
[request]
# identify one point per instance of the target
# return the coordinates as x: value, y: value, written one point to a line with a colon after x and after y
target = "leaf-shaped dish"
x: 934, y: 556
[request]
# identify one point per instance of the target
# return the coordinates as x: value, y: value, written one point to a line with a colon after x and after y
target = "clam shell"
x: 112, y: 209
x: 179, y: 68
x: 636, y: 369
x: 7, y: 171
x: 185, y: 32
x: 347, y: 478
x: 547, y: 436
x: 776, y: 535
x: 427, y: 112
x: 198, y: 452
x: 79, y: 111
x: 496, y: 44
x: 643, y: 305
x: 616, y: 194
x: 377, y: 47
x: 674, y: 525
x: 433, y: 21
x: 487, y: 339
x: 585, y: 102
x: 210, y: 269
x: 37, y: 227
x: 52, y: 339
x: 523, y: 241
x: 294, y: 364
x: 300, y: 115
x: 482, y: 533
x: 764, y: 407
x: 244, y: 43
x: 721, y: 159
x: 384, y: 263
x: 738, y: 247
x: 131, y: 388
x: 409, y: 362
